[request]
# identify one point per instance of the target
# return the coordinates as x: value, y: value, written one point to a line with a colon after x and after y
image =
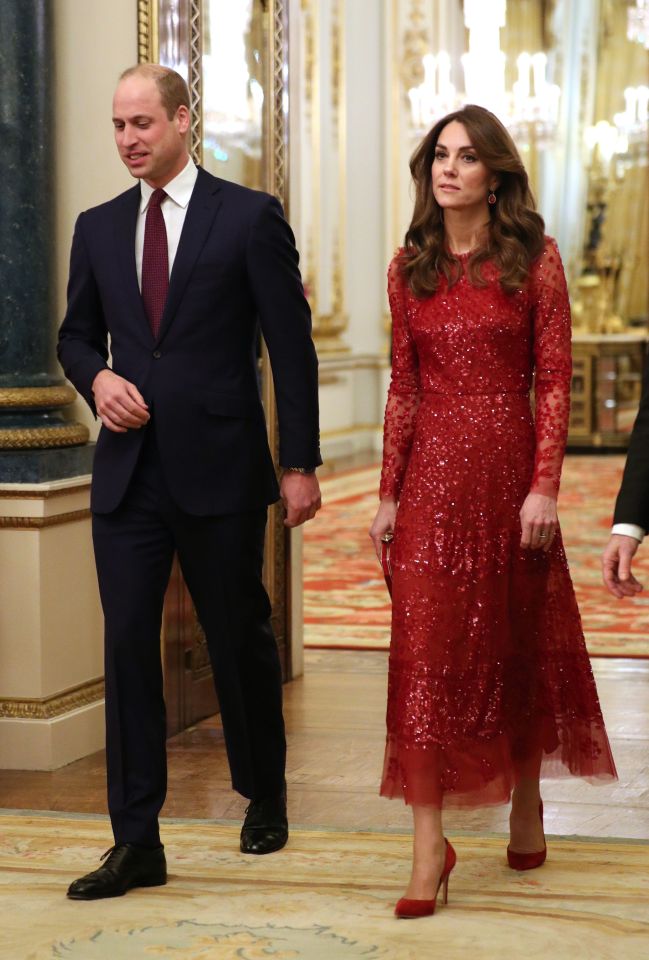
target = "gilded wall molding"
x: 22, y: 398
x: 36, y: 438
x: 39, y: 523
x: 195, y: 79
x: 415, y: 45
x: 276, y: 548
x: 325, y: 167
x: 48, y: 708
x: 277, y: 121
x: 25, y: 494
x: 147, y: 31
x: 169, y: 32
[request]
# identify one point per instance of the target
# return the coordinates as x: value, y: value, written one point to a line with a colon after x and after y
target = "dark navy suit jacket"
x: 236, y: 268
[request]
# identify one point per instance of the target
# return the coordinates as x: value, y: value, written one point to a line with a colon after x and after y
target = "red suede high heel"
x: 528, y: 861
x: 409, y: 909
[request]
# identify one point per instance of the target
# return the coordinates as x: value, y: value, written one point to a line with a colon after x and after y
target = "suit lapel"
x: 201, y: 211
x: 125, y: 224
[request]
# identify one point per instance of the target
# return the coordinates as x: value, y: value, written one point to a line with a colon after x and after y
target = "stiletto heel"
x: 528, y: 861
x: 409, y: 909
x: 445, y: 901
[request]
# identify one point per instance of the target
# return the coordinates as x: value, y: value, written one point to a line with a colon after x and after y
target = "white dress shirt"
x: 174, y: 209
x: 629, y: 530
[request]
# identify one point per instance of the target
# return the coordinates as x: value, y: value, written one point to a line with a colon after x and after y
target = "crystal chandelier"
x: 638, y: 23
x: 530, y: 110
x: 624, y: 141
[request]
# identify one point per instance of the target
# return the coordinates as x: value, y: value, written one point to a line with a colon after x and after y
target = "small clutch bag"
x: 386, y: 543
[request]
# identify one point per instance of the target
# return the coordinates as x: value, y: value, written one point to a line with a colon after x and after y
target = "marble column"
x: 37, y: 442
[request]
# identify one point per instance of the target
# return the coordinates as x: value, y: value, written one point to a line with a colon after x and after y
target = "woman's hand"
x: 539, y: 522
x: 383, y: 523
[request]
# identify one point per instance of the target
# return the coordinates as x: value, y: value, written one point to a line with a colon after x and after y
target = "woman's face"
x: 461, y: 181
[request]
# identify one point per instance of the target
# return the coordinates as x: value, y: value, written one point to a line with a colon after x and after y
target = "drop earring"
x: 491, y: 199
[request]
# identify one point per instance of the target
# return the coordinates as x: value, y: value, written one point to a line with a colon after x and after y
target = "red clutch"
x: 386, y: 543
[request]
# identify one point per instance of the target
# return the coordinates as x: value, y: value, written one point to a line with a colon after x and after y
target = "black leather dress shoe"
x: 265, y: 828
x: 126, y: 866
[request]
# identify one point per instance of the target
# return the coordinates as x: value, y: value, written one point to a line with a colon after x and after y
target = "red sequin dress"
x: 488, y: 666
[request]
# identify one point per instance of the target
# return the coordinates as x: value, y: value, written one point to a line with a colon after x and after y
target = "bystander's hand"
x: 120, y: 405
x: 616, y: 566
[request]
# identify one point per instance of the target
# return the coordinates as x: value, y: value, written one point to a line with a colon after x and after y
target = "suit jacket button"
x: 157, y: 354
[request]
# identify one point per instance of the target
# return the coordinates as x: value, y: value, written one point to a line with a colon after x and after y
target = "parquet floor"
x: 335, y: 723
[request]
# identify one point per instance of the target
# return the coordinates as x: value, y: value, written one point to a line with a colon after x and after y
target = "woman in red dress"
x: 490, y: 685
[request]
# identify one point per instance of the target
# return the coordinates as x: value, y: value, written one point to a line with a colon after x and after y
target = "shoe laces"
x: 112, y: 853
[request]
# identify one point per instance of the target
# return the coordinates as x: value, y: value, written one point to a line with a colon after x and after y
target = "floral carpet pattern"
x: 346, y: 604
x: 327, y: 896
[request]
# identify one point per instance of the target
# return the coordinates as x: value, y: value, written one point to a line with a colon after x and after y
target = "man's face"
x: 151, y: 145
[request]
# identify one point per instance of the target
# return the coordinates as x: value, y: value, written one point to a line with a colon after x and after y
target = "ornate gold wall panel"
x: 625, y: 233
x: 171, y: 32
x: 322, y: 120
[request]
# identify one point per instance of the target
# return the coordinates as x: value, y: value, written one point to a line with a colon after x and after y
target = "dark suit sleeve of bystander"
x: 632, y: 504
x: 83, y: 339
x: 285, y: 318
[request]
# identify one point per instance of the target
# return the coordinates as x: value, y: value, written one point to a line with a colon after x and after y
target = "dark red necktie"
x: 155, y: 262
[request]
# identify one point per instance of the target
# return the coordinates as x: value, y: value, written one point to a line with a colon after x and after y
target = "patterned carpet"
x: 327, y: 896
x: 345, y: 601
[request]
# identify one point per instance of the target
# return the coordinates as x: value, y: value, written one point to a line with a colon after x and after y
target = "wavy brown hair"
x: 515, y: 233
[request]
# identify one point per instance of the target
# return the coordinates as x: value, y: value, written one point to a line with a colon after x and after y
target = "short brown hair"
x: 173, y: 90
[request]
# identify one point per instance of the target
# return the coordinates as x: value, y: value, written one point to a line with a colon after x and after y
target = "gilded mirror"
x: 234, y: 58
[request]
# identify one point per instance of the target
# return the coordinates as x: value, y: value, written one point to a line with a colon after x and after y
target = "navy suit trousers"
x: 221, y: 559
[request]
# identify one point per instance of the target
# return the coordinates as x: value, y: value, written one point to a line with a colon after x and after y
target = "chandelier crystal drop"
x: 638, y: 23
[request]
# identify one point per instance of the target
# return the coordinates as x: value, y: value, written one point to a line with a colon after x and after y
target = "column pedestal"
x: 51, y: 632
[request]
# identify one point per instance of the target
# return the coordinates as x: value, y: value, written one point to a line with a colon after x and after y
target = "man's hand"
x: 120, y: 404
x: 616, y: 566
x: 300, y: 493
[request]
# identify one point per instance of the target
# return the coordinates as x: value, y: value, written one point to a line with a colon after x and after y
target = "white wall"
x: 94, y: 42
x: 366, y: 267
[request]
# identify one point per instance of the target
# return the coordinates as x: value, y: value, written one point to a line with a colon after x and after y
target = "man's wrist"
x: 629, y: 530
x: 305, y: 471
x: 97, y: 375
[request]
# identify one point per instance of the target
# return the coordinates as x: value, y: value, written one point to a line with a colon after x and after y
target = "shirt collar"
x: 179, y: 189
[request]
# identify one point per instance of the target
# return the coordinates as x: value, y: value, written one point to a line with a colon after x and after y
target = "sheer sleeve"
x: 553, y: 367
x: 404, y: 392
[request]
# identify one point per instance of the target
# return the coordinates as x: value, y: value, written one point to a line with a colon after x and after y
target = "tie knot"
x: 157, y: 197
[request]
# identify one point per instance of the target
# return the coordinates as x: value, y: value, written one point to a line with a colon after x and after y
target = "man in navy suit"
x: 175, y: 277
